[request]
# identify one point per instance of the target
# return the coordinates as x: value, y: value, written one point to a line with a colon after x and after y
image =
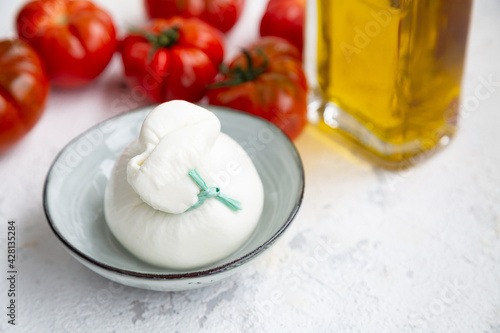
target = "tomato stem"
x: 239, y: 74
x: 166, y: 37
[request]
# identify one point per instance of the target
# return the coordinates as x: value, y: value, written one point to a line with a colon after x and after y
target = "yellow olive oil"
x: 394, y: 69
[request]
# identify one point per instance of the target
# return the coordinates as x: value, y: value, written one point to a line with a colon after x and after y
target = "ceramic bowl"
x: 74, y: 199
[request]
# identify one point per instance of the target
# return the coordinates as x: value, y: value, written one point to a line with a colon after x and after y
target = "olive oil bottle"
x: 386, y: 74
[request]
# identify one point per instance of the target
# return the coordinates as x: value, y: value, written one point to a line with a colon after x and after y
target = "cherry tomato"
x: 266, y: 80
x: 75, y: 39
x: 285, y: 19
x: 23, y: 89
x: 173, y: 58
x: 221, y: 14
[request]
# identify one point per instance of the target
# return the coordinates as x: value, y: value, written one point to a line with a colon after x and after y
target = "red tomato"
x: 23, y: 89
x: 285, y: 19
x: 221, y: 14
x: 173, y: 59
x: 267, y: 80
x: 75, y: 39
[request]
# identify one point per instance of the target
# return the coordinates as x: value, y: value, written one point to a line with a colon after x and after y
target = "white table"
x: 370, y: 250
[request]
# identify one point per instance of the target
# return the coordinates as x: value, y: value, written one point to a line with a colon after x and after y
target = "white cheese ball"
x: 150, y: 190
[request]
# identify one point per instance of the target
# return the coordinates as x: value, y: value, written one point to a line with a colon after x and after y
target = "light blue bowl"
x: 74, y: 198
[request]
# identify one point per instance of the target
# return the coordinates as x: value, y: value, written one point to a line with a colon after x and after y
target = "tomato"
x: 266, y: 80
x: 285, y: 19
x: 173, y: 58
x: 221, y: 14
x: 75, y: 39
x: 23, y: 89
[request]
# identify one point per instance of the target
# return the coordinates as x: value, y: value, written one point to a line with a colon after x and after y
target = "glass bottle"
x: 386, y: 74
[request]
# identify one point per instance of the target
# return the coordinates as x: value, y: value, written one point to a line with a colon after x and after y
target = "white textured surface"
x: 370, y: 251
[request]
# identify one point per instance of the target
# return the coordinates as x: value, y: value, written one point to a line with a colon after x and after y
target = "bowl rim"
x: 176, y: 276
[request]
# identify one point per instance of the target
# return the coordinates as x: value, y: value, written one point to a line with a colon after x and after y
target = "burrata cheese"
x: 149, y: 192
